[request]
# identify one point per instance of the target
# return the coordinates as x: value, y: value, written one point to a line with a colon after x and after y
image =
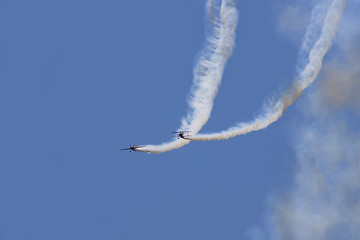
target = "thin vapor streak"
x: 304, y: 79
x: 222, y: 20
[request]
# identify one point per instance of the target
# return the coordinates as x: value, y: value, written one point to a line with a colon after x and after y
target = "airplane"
x: 132, y: 148
x: 182, y: 134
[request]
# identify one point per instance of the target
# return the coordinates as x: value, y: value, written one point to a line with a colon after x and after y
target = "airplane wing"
x: 124, y: 149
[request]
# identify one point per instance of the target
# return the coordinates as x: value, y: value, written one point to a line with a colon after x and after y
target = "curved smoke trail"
x: 306, y: 76
x: 222, y: 17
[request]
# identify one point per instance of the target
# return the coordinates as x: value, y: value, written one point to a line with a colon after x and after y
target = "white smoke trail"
x: 304, y: 79
x: 222, y: 17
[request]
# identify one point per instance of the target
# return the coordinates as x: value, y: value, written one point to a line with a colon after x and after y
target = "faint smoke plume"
x: 293, y: 22
x: 342, y: 86
x: 324, y: 201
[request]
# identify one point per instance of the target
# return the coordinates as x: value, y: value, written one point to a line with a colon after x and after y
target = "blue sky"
x: 81, y: 79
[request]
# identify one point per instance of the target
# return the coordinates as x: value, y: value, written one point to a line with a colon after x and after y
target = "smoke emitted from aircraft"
x: 222, y: 20
x: 316, y: 43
